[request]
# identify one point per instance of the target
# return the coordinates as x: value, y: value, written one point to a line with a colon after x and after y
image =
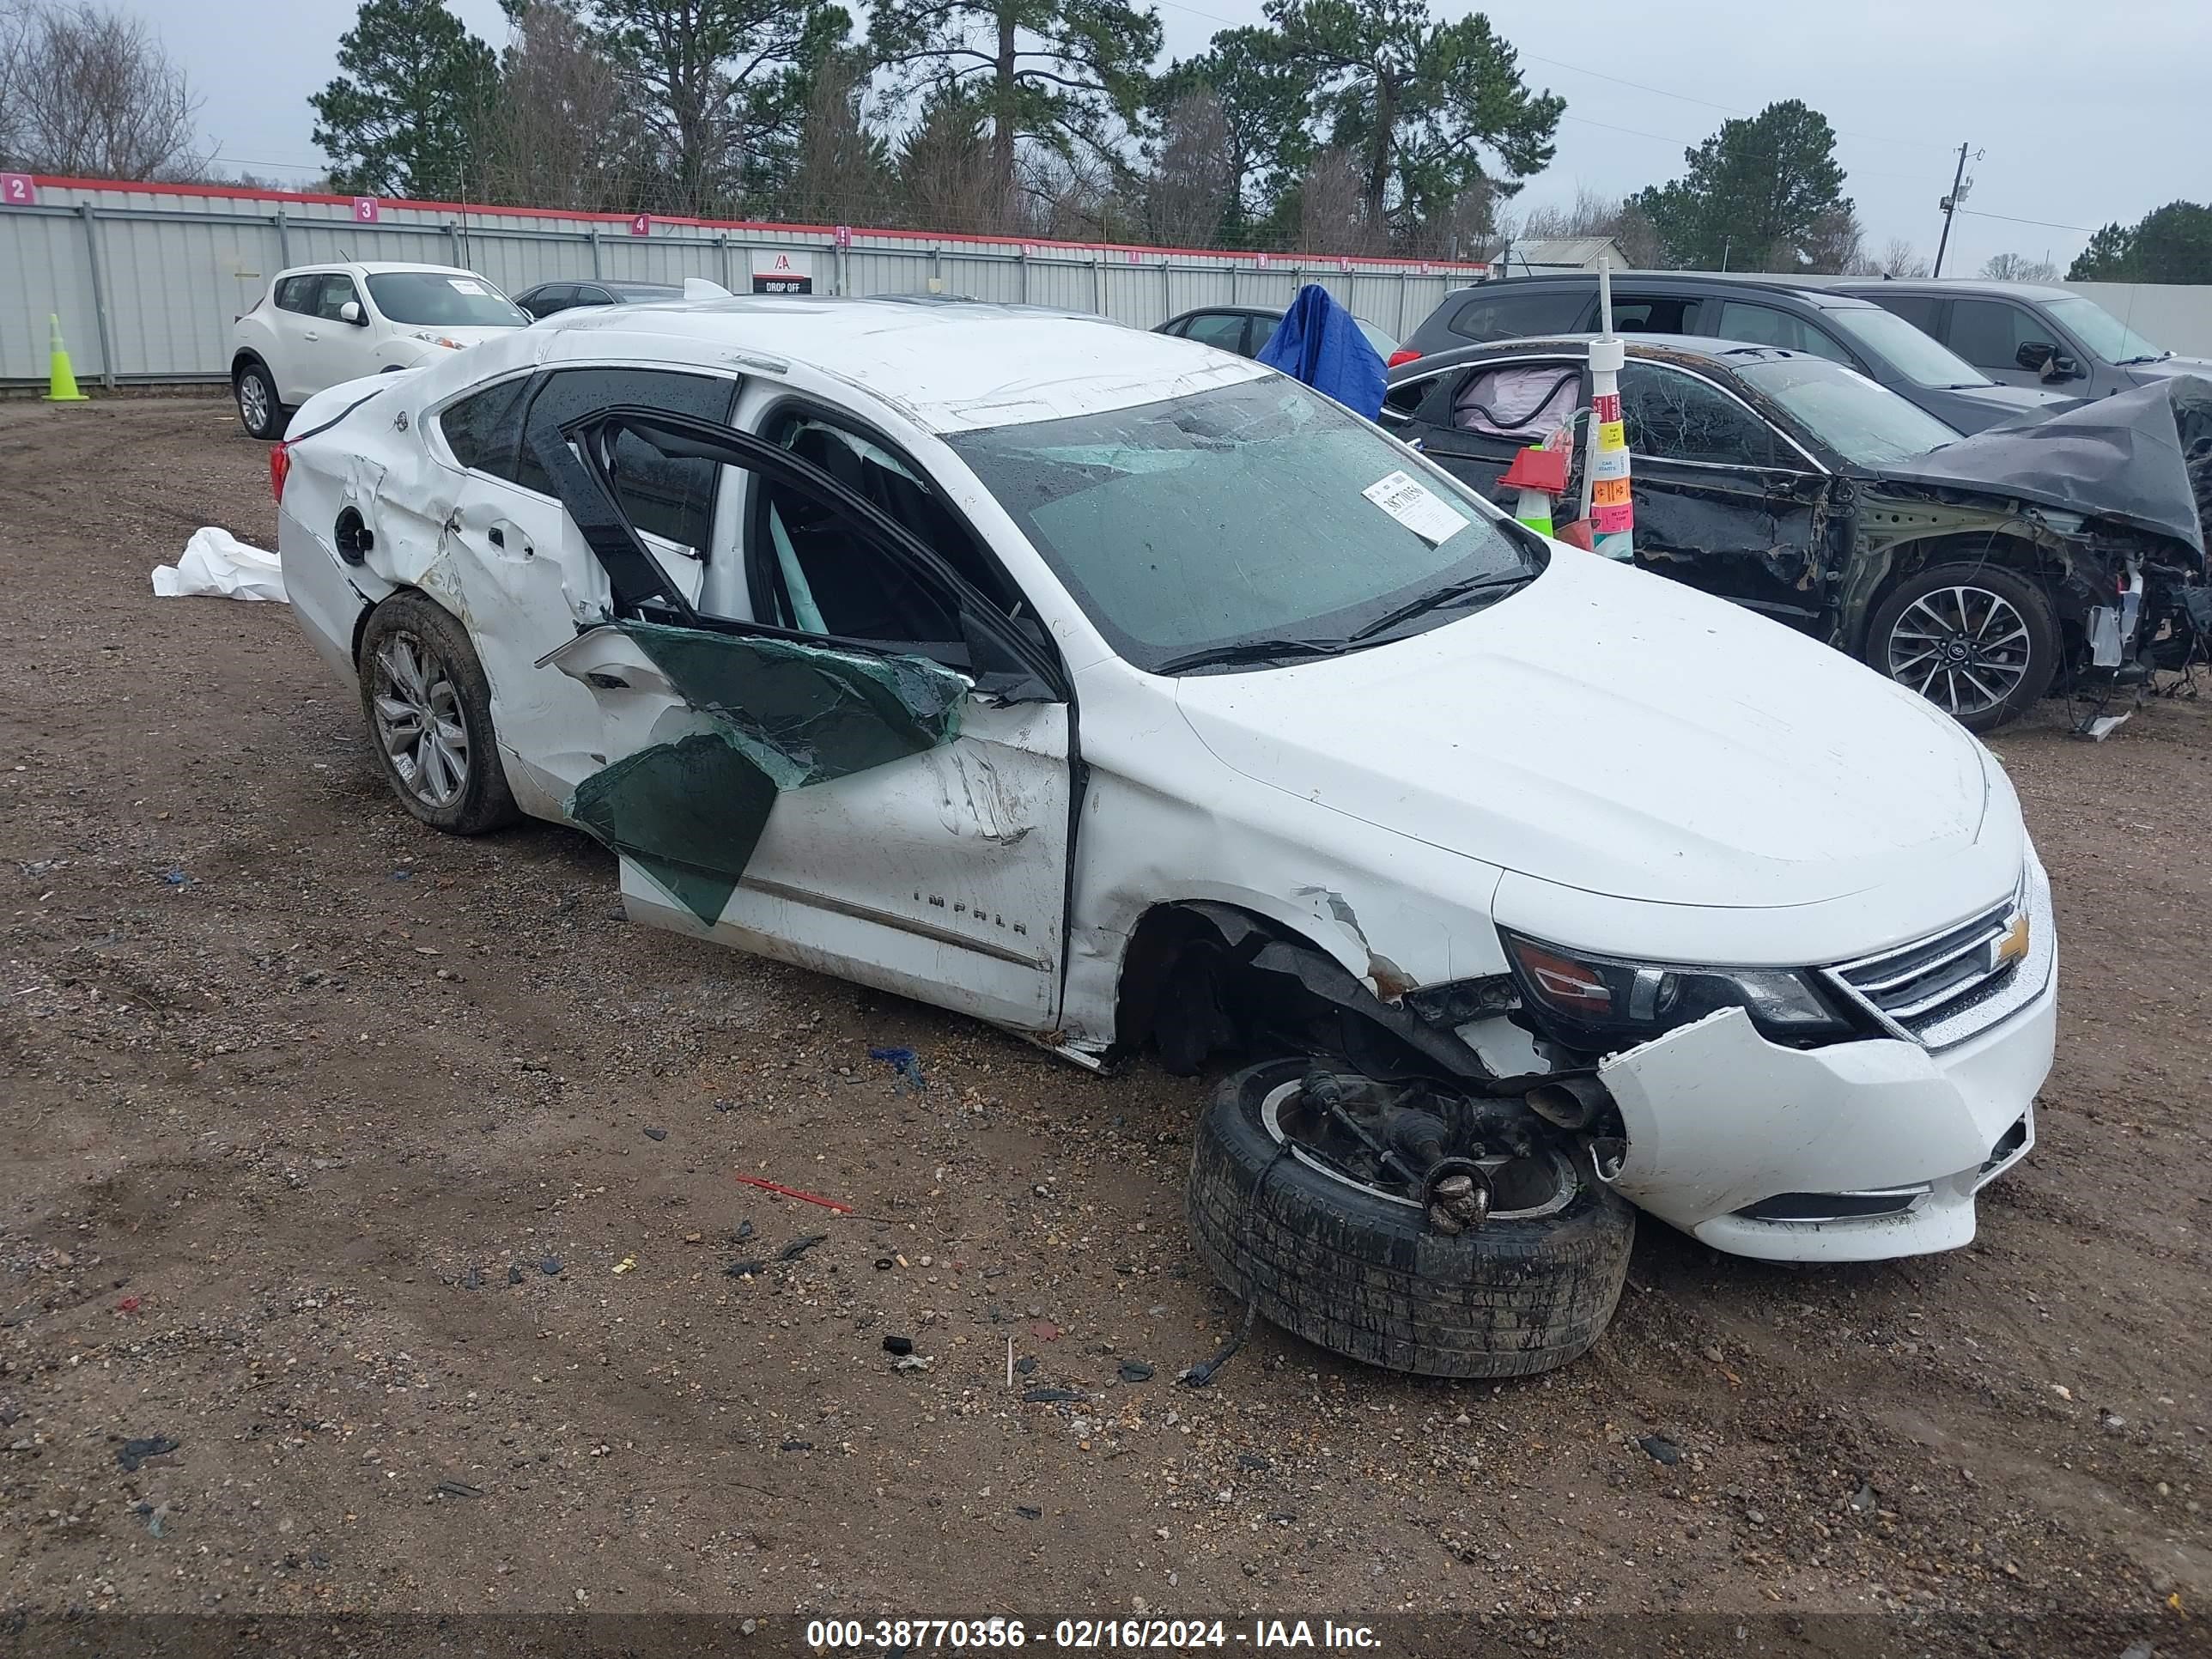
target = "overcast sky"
x: 2085, y: 115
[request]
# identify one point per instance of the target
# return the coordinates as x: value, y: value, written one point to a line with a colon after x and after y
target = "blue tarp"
x: 1318, y: 342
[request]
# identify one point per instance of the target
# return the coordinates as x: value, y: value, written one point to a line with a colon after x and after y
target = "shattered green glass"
x: 786, y: 715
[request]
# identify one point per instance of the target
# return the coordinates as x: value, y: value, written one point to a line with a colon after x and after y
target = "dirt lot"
x: 391, y: 1176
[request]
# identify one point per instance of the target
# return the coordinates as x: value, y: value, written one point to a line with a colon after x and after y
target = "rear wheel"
x: 259, y: 411
x: 1979, y: 641
x: 429, y: 707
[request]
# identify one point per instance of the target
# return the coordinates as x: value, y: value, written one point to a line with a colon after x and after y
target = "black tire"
x: 409, y: 627
x: 259, y: 411
x: 1899, y: 642
x: 1354, y: 1273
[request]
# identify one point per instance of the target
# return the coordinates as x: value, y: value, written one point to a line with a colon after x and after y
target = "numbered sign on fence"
x: 364, y: 209
x: 641, y: 225
x: 18, y: 189
x: 842, y: 236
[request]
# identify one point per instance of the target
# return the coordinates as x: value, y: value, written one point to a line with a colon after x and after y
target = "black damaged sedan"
x: 2065, y: 555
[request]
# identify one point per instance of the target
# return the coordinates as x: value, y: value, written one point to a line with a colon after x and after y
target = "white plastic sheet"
x: 216, y: 563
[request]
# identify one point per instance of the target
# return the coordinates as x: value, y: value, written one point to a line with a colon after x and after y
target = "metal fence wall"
x: 147, y: 280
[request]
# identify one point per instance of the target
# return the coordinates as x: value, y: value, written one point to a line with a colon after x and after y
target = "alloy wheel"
x: 1964, y: 648
x: 418, y: 720
x: 254, y: 402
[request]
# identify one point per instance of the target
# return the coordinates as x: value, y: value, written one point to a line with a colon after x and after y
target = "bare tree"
x: 2018, y: 268
x: 1193, y: 179
x: 1898, y: 259
x: 1834, y: 245
x: 561, y: 133
x: 1591, y: 213
x: 1331, y: 207
x: 92, y: 94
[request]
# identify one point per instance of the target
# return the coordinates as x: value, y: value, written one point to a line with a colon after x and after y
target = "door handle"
x: 311, y: 335
x: 498, y: 536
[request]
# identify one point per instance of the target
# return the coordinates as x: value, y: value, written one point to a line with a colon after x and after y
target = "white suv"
x: 321, y: 324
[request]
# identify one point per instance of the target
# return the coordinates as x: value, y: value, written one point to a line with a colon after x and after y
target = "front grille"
x: 1945, y: 989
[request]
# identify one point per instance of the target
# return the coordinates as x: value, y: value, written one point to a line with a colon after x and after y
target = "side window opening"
x: 807, y: 579
x: 1671, y: 416
x: 1521, y: 403
x: 1511, y: 316
x: 298, y: 293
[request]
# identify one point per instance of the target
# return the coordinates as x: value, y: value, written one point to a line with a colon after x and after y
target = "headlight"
x: 1602, y: 1000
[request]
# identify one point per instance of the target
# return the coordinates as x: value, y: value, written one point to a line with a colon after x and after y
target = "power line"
x: 2047, y: 224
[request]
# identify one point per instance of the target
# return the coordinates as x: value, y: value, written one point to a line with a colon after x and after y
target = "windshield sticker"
x: 463, y: 285
x: 1413, y: 505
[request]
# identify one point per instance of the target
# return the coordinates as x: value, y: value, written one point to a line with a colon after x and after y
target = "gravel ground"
x: 390, y: 1177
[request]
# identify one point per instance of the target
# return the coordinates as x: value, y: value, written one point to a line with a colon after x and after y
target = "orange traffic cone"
x: 61, y: 378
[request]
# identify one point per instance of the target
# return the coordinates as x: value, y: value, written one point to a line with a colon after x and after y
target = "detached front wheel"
x: 1979, y: 641
x: 1355, y: 1264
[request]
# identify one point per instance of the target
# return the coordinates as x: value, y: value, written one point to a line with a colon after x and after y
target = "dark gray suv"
x: 2033, y: 337
x: 1844, y: 329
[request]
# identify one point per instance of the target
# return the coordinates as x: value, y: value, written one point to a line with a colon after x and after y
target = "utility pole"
x: 1960, y: 184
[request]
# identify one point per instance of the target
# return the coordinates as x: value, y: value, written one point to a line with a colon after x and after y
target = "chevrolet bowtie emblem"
x: 2011, y: 945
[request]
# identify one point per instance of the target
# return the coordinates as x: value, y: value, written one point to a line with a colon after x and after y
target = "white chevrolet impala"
x: 1114, y: 691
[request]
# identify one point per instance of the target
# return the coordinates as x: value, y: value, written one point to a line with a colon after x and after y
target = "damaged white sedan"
x: 1117, y: 691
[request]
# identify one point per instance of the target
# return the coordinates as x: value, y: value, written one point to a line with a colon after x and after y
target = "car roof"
x: 1953, y: 285
x: 1824, y: 296
x: 379, y: 268
x: 948, y: 365
x: 1722, y: 354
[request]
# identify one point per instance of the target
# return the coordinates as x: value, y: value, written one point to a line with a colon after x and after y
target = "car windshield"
x: 1865, y: 424
x: 438, y: 299
x: 644, y: 294
x: 1255, y: 512
x: 1921, y: 360
x: 2103, y: 334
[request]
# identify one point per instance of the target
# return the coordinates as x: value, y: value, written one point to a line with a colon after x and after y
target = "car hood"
x: 2135, y: 457
x: 2013, y: 400
x: 1615, y: 731
x: 2164, y: 367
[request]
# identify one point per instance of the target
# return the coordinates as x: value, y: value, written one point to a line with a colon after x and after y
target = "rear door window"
x: 1656, y: 313
x: 1674, y: 416
x: 1917, y: 309
x: 298, y: 293
x: 669, y: 496
x: 1514, y: 316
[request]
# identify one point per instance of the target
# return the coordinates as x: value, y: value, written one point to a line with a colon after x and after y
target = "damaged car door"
x: 876, y: 786
x: 1723, y: 502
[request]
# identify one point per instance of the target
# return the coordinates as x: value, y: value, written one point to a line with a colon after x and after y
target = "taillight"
x: 1402, y: 354
x: 280, y: 464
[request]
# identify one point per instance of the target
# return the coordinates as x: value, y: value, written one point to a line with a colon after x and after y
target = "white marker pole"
x: 1606, y: 500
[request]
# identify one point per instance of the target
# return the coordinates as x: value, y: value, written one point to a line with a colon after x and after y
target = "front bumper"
x: 1720, y: 1120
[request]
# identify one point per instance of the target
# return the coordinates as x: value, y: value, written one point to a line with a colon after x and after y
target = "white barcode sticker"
x: 1416, y: 507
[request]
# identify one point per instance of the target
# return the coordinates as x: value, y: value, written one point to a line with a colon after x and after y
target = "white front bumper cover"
x: 1720, y: 1120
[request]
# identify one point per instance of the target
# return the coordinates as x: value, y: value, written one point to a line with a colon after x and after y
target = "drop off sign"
x: 779, y: 271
